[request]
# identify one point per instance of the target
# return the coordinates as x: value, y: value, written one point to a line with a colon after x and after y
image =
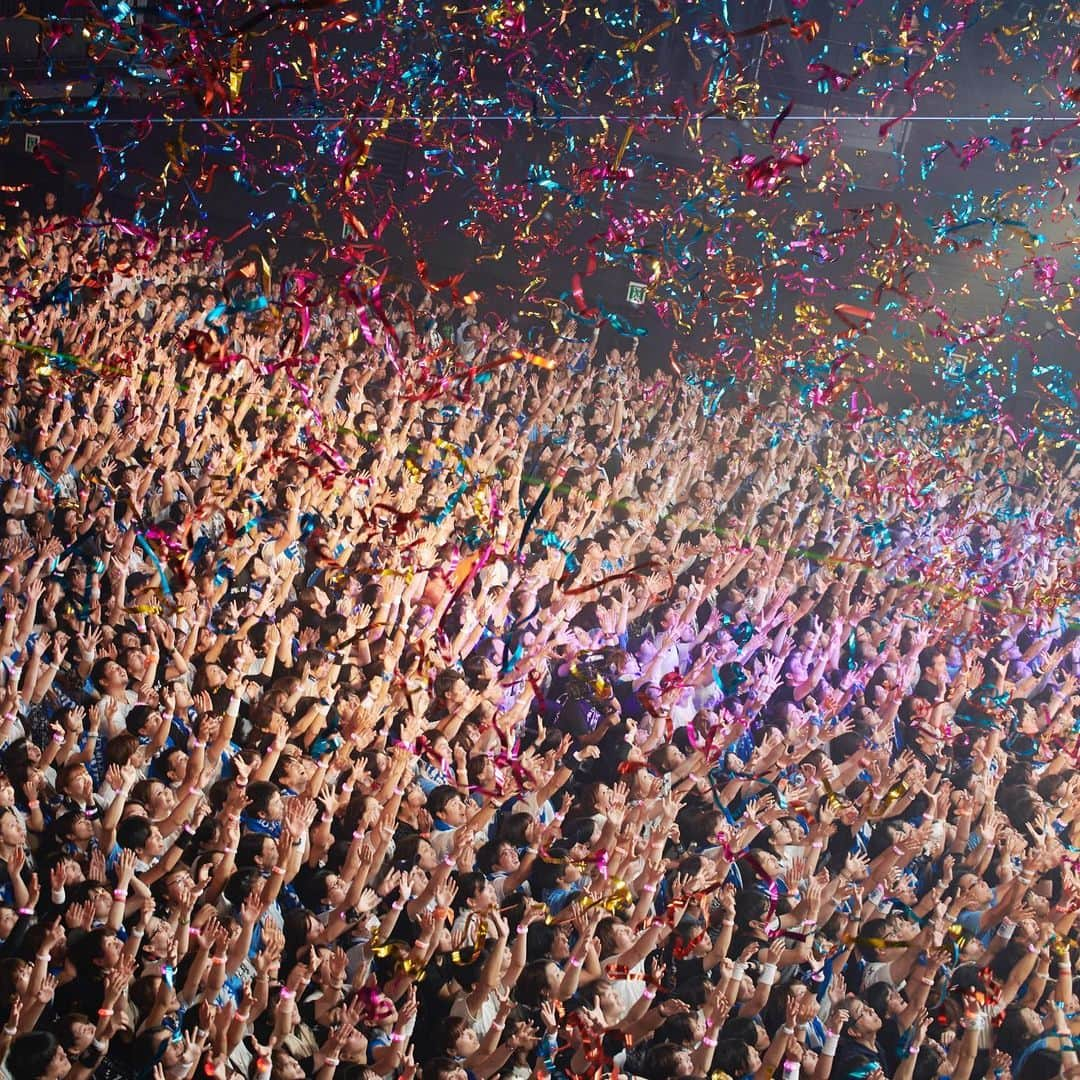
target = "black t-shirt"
x: 579, y: 715
x: 854, y: 1061
x: 924, y: 688
x: 888, y: 1041
x: 85, y: 993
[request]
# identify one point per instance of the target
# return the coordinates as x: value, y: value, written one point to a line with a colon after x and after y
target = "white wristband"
x: 768, y: 975
x: 831, y: 1042
x: 1006, y: 929
x: 738, y: 971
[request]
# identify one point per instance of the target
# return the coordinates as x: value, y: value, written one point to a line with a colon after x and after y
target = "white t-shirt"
x: 875, y: 973
x: 630, y: 991
x: 485, y: 1017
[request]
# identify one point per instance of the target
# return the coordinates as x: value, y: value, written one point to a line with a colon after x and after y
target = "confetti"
x: 735, y: 166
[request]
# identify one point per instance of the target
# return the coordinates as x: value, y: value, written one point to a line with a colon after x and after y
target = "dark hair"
x: 487, y: 857
x: 512, y: 827
x: 238, y: 887
x: 660, y: 1060
x: 407, y: 851
x: 877, y: 997
x: 64, y: 825
x: 1040, y: 1065
x: 250, y: 848
x: 97, y: 672
x: 65, y: 1028
x: 163, y: 762
x: 927, y: 1064
x: 136, y: 719
x: 134, y: 832
x: 439, y: 797
x: 928, y: 656
x: 440, y: 1068
x: 259, y: 795
x: 469, y: 887
x: 1013, y: 1034
x: 87, y: 949
x: 315, y: 889
x: 532, y: 990
x: 452, y: 1029
x: 732, y: 1056
x: 31, y: 1055
x: 677, y: 1029
x: 742, y: 1029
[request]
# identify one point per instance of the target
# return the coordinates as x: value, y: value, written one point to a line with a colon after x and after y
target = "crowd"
x: 386, y: 695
